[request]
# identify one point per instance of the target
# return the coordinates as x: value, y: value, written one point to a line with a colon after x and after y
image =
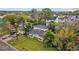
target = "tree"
x: 76, y: 12
x: 46, y: 13
x: 48, y: 38
x: 36, y: 17
x: 14, y: 20
x: 64, y: 37
x: 27, y: 27
x: 52, y: 25
x: 10, y: 19
x: 34, y: 14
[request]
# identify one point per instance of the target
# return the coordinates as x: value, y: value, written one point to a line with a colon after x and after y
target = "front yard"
x: 25, y: 43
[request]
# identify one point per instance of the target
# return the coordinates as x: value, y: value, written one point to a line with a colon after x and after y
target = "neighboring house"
x: 59, y: 19
x: 62, y: 18
x: 71, y: 17
x: 11, y: 27
x: 50, y: 20
x: 38, y: 31
x: 66, y: 18
x: 77, y: 16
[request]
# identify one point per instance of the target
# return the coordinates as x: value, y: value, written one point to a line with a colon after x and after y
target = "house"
x: 63, y: 18
x: 59, y: 19
x: 50, y: 20
x: 77, y: 16
x: 71, y: 17
x: 41, y: 27
x: 38, y: 31
x: 11, y: 27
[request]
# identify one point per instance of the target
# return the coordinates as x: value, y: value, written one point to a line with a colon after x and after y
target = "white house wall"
x: 40, y: 28
x: 37, y: 36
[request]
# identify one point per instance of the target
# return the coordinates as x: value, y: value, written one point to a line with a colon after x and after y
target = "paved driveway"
x: 5, y: 47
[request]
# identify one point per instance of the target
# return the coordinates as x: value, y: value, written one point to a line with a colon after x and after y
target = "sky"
x: 29, y: 9
x: 64, y: 9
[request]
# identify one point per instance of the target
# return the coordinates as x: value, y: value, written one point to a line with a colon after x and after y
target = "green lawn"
x: 25, y: 43
x: 4, y: 31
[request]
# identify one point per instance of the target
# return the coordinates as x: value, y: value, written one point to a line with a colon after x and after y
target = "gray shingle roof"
x: 36, y: 32
x: 41, y: 26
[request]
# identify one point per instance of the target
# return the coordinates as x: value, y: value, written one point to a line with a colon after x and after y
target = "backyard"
x: 58, y: 31
x: 25, y: 43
